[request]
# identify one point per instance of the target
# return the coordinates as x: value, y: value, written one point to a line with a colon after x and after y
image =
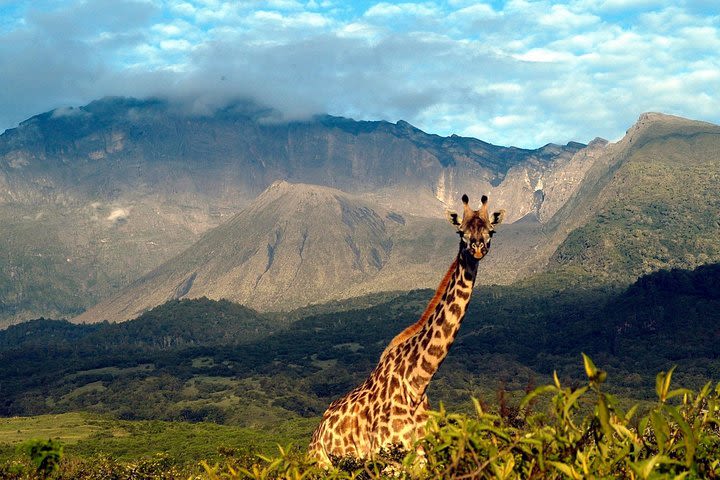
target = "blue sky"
x: 514, y: 72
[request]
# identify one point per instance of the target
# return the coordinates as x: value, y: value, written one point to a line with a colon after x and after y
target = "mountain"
x: 127, y: 203
x: 92, y: 198
x: 649, y: 202
x: 298, y: 244
x: 295, y: 244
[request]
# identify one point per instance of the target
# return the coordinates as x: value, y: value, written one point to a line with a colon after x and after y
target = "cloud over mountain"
x: 512, y: 72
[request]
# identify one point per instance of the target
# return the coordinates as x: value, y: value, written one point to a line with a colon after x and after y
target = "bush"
x: 44, y: 454
x: 555, y: 432
x: 582, y: 433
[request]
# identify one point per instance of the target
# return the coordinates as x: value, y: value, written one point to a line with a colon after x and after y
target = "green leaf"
x: 662, y: 384
x: 631, y: 413
x: 688, y: 436
x: 590, y: 368
x: 661, y: 429
x: 678, y: 392
x: 538, y: 391
x: 604, y: 416
x: 645, y: 468
x: 568, y: 470
x: 572, y: 399
x: 668, y: 378
x: 478, y: 408
x: 659, y: 380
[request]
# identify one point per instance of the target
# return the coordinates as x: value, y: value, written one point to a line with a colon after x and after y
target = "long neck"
x: 422, y: 347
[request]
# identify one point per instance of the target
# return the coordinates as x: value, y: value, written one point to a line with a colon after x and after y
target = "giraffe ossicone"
x: 390, y: 407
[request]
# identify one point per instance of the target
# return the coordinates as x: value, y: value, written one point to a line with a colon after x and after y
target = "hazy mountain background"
x: 124, y: 204
x: 92, y: 198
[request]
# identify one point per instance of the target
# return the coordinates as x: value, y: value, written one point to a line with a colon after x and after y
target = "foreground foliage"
x: 583, y: 433
x: 555, y: 432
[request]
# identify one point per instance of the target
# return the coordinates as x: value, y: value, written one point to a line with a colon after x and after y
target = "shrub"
x: 45, y: 455
x: 580, y: 433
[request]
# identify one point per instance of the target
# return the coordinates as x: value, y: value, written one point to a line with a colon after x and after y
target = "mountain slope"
x: 295, y: 244
x: 92, y: 198
x: 664, y: 164
x: 655, y: 206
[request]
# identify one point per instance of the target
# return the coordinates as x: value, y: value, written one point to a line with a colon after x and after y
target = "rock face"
x: 114, y: 150
x: 92, y: 198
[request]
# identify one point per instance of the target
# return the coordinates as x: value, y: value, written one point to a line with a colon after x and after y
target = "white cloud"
x: 519, y: 72
x: 182, y: 8
x: 504, y: 121
x: 544, y: 55
x: 401, y: 9
x: 560, y: 16
x: 629, y: 5
x: 175, y: 44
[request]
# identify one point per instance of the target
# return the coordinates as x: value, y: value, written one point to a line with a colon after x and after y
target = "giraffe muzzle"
x: 479, y: 250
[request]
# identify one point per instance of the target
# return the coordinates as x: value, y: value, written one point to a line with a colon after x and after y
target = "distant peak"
x: 652, y: 118
x: 278, y: 184
x: 110, y: 103
x: 283, y: 188
x: 598, y: 142
x: 655, y: 120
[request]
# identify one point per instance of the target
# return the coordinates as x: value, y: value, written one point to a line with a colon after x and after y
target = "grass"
x: 113, y: 371
x: 554, y: 432
x: 69, y: 428
x: 89, y: 435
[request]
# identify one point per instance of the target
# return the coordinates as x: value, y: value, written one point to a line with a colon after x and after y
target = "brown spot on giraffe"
x: 435, y: 351
x: 462, y: 294
x: 390, y: 406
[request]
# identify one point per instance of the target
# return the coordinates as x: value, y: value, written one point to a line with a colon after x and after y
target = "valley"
x: 203, y: 360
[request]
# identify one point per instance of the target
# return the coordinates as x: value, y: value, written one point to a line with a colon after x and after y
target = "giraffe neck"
x: 422, y: 347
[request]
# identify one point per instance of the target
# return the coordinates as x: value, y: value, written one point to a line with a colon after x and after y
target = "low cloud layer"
x: 517, y: 72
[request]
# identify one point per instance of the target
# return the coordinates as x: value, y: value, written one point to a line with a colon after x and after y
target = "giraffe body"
x: 390, y: 407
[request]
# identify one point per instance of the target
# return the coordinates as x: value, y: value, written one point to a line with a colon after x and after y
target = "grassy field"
x: 89, y: 435
x: 556, y: 432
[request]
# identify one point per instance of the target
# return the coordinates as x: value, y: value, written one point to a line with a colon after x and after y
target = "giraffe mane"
x: 415, y: 327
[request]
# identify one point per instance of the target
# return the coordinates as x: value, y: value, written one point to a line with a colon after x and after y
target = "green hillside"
x: 206, y: 360
x: 660, y: 209
x: 231, y: 387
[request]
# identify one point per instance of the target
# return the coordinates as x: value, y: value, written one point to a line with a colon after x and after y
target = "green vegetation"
x: 205, y: 380
x: 660, y: 213
x: 555, y: 432
x: 85, y: 436
x: 204, y: 360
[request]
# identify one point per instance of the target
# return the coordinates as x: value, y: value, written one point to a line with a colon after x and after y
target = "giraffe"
x: 390, y: 407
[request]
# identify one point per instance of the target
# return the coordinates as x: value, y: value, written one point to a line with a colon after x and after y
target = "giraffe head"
x: 477, y: 227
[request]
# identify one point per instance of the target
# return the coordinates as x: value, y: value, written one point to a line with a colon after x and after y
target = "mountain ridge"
x: 97, y: 208
x: 95, y: 197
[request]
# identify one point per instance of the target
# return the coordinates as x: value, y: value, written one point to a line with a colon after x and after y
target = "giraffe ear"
x: 452, y: 217
x: 497, y: 217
